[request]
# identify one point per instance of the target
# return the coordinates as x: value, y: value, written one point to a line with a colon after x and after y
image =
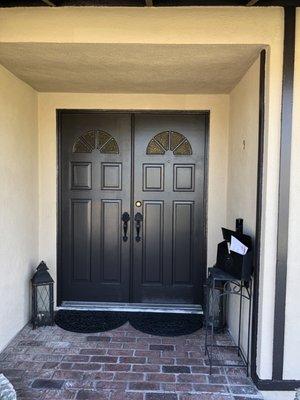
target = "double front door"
x: 132, y: 207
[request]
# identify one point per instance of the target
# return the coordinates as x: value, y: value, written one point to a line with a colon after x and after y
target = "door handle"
x: 125, y: 219
x: 138, y: 219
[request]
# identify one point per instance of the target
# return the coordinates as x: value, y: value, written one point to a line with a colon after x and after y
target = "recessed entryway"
x: 132, y: 207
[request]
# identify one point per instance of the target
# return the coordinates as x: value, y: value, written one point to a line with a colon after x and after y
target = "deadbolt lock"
x: 138, y: 203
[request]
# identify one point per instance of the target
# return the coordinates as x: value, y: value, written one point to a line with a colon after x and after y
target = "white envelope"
x: 237, y: 246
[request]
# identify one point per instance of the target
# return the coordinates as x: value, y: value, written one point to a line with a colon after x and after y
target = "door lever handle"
x: 125, y: 219
x: 138, y: 219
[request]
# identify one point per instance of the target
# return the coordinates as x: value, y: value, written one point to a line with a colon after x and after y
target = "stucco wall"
x: 292, y: 336
x: 19, y: 201
x: 242, y: 172
x: 218, y: 140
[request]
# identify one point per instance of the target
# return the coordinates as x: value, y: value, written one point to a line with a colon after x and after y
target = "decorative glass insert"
x: 110, y: 147
x: 85, y: 143
x: 163, y: 139
x: 102, y: 139
x: 92, y: 140
x: 169, y: 140
x: 183, y: 149
x: 154, y: 148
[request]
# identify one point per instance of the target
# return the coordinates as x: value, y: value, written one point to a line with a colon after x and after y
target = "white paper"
x: 237, y: 246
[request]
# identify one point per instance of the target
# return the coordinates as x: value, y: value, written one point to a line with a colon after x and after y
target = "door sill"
x: 132, y: 307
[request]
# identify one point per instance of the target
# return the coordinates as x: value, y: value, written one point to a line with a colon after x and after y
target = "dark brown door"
x: 169, y: 184
x: 95, y: 191
x: 150, y: 166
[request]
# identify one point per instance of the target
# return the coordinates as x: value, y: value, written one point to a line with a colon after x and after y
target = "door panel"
x: 81, y: 239
x: 183, y: 218
x: 95, y: 191
x: 153, y: 243
x: 169, y: 181
x: 111, y: 242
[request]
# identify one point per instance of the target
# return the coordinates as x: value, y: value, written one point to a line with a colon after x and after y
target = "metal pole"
x: 240, y: 316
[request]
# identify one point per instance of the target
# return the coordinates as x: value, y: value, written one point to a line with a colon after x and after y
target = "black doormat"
x: 162, y: 324
x: 89, y: 321
x: 159, y: 324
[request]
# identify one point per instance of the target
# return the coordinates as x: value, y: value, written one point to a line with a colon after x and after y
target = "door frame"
x: 59, y: 113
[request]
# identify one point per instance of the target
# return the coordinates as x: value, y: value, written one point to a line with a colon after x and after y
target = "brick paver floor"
x: 50, y: 363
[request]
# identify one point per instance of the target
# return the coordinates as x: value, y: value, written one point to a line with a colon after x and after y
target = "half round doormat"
x: 89, y: 321
x: 161, y: 324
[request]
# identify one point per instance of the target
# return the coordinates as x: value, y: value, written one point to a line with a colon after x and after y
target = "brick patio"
x: 50, y: 363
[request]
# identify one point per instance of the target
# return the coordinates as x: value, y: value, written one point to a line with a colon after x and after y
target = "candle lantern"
x: 42, y: 297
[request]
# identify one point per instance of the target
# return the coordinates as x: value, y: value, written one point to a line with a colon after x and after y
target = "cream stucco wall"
x: 218, y: 140
x: 242, y: 173
x: 292, y: 336
x: 206, y: 25
x: 19, y: 201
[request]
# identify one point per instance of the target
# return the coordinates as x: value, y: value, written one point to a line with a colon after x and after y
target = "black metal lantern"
x: 42, y: 297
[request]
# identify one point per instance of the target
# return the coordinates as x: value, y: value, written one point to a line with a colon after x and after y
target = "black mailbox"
x: 237, y: 265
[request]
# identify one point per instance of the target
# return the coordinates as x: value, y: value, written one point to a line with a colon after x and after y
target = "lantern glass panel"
x: 43, y: 303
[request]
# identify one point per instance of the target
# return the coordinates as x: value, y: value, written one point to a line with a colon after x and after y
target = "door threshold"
x: 132, y: 307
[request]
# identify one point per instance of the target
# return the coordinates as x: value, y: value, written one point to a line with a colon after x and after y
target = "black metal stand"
x: 230, y: 286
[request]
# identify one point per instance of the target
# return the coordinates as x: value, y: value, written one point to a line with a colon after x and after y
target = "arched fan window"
x: 169, y: 140
x: 96, y: 139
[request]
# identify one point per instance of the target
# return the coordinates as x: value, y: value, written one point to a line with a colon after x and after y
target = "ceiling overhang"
x: 128, y: 68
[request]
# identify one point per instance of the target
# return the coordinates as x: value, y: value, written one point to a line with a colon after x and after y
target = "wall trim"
x: 284, y: 190
x: 274, y: 384
x: 261, y: 138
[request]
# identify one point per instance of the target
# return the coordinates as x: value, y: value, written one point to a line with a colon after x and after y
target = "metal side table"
x: 229, y: 286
